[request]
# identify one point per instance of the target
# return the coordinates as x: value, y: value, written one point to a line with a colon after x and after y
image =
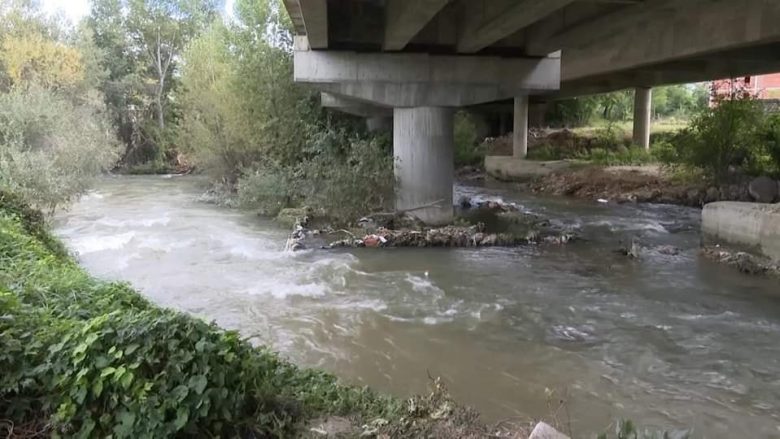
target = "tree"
x: 679, y: 100
x: 32, y: 58
x: 160, y: 29
x: 21, y: 17
x: 142, y: 41
x: 54, y: 136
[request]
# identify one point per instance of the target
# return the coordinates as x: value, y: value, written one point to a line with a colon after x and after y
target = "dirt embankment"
x: 645, y: 184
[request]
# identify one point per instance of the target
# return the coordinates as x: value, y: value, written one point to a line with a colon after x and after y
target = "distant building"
x: 764, y: 87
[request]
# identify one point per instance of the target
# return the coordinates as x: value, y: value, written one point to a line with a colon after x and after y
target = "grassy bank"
x: 87, y: 358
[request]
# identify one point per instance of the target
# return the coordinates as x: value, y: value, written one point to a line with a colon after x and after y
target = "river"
x: 666, y: 340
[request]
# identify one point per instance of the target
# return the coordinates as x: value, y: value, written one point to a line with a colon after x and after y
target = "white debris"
x: 544, y: 431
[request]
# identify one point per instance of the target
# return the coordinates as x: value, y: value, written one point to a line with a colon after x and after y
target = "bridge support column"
x: 520, y: 130
x: 424, y: 151
x: 643, y: 99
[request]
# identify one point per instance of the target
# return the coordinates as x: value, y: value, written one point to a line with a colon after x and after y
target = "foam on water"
x: 92, y: 195
x: 93, y: 244
x: 422, y: 284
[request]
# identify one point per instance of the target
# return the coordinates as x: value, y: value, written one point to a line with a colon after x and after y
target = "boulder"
x: 763, y: 189
x: 544, y: 431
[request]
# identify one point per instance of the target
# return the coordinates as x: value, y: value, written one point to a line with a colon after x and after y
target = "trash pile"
x: 744, y: 262
x: 403, y: 230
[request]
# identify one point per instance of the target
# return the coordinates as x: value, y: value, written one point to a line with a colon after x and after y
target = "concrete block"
x: 752, y: 226
x: 517, y: 169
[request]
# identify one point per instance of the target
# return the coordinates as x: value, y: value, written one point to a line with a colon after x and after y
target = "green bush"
x: 620, y: 156
x: 721, y: 138
x: 352, y: 183
x: 86, y: 358
x: 771, y: 138
x: 468, y: 149
x: 547, y: 152
x: 51, y: 149
x: 608, y: 137
x: 32, y: 220
x: 269, y: 189
x: 572, y: 112
x: 255, y: 131
x: 345, y: 179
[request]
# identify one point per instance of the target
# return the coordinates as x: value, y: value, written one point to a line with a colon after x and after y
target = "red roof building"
x: 765, y: 87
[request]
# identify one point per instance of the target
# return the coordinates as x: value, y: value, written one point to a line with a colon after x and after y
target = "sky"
x: 75, y: 9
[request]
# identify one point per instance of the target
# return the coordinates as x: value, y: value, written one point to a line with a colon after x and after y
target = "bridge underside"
x: 416, y: 60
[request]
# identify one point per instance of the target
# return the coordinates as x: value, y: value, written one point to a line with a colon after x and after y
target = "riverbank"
x: 635, y: 184
x: 621, y: 184
x: 88, y: 358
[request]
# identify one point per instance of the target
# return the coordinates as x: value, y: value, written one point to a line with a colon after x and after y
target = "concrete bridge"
x: 418, y: 60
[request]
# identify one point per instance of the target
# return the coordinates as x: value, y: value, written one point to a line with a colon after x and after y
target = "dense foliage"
x: 736, y: 136
x: 87, y: 358
x: 141, y: 43
x: 54, y: 133
x: 469, y: 149
x: 256, y: 133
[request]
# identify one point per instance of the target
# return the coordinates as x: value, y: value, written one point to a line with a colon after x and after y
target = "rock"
x: 748, y: 264
x: 297, y: 246
x: 632, y: 251
x: 668, y: 250
x: 694, y: 197
x: 763, y: 189
x: 544, y: 431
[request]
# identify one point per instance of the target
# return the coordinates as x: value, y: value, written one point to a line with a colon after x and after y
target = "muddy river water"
x: 669, y: 340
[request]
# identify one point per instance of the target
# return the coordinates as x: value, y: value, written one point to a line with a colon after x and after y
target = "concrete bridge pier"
x: 643, y: 101
x: 520, y: 128
x: 421, y: 91
x: 423, y: 146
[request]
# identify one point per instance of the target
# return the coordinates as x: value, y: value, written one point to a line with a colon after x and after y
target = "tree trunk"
x: 160, y: 114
